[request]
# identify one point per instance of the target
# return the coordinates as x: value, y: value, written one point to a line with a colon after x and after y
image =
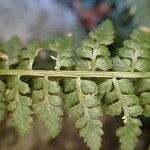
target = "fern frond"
x: 47, y: 104
x: 84, y: 106
x: 116, y: 93
x: 19, y: 104
x: 135, y: 55
x: 93, y: 53
x: 119, y: 98
x: 128, y: 134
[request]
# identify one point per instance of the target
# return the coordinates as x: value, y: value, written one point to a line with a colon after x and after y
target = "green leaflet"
x: 104, y: 33
x: 135, y: 55
x: 19, y: 104
x: 143, y: 38
x: 11, y: 50
x: 27, y: 56
x: 2, y: 99
x: 128, y: 134
x: 93, y: 53
x: 144, y: 95
x: 84, y: 106
x: 63, y: 46
x: 47, y: 104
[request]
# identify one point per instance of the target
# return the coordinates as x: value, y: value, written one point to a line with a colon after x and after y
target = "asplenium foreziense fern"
x: 88, y: 82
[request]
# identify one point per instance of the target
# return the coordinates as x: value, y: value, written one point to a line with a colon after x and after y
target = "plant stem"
x: 102, y: 74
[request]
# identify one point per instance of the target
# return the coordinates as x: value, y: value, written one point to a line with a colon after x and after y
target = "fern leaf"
x: 144, y: 95
x: 104, y: 33
x: 128, y: 134
x: 47, y: 104
x: 19, y: 104
x: 2, y: 99
x: 84, y: 106
x: 135, y: 55
x: 11, y: 49
x: 63, y: 47
x: 91, y: 133
x: 143, y: 38
x: 93, y: 53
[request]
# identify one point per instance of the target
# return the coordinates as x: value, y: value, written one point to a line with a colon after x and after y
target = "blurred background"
x: 41, y: 19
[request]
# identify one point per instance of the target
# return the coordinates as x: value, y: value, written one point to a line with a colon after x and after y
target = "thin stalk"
x: 102, y: 74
